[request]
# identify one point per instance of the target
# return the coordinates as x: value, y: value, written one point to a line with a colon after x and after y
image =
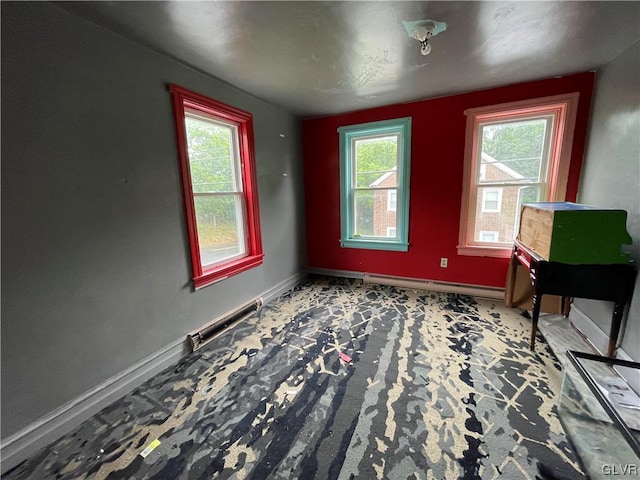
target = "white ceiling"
x: 318, y: 58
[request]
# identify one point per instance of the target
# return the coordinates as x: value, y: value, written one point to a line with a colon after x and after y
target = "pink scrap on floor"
x: 345, y: 357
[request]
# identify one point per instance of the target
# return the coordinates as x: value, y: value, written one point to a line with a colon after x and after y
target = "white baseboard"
x: 632, y: 376
x: 336, y: 273
x: 282, y: 287
x: 436, y: 286
x: 24, y: 443
x: 587, y: 327
x: 600, y: 341
x: 416, y: 283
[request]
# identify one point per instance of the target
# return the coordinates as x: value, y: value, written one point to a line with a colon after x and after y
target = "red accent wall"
x: 437, y: 155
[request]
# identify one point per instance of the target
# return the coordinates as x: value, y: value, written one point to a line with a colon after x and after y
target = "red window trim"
x: 182, y: 99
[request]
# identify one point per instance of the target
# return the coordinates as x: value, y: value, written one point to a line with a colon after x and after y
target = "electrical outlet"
x: 444, y: 261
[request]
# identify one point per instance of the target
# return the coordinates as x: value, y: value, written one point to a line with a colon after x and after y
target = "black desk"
x: 612, y: 283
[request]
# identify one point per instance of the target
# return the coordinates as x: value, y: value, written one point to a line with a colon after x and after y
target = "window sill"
x: 374, y: 245
x: 484, y: 251
x: 227, y: 270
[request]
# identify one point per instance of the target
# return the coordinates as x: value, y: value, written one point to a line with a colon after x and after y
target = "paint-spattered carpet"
x: 336, y: 379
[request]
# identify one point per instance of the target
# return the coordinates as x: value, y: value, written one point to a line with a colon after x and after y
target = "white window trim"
x: 485, y: 191
x: 392, y: 203
x: 492, y: 232
x: 565, y: 108
x: 483, y: 171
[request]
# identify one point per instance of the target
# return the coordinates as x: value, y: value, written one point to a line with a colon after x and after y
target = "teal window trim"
x: 347, y: 134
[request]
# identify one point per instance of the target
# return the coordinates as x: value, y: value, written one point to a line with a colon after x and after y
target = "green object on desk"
x: 575, y: 234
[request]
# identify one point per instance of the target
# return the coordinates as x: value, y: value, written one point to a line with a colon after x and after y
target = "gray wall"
x: 611, y: 172
x: 95, y: 263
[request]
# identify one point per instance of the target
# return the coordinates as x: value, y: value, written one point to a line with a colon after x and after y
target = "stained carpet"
x: 337, y: 380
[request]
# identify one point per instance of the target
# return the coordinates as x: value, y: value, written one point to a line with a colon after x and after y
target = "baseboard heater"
x: 417, y: 284
x: 208, y: 332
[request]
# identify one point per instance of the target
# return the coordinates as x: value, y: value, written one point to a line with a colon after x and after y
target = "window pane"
x: 491, y: 200
x: 376, y: 161
x: 491, y: 205
x: 514, y: 151
x: 211, y: 155
x: 363, y: 213
x: 492, y: 196
x: 489, y: 236
x: 220, y: 226
x: 505, y: 221
x: 392, y: 200
x: 372, y: 217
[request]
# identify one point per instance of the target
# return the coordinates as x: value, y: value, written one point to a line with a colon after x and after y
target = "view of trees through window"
x: 374, y: 157
x: 518, y: 145
x: 212, y: 160
x: 514, y: 159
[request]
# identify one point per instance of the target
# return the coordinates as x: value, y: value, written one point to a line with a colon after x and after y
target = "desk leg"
x: 511, y: 281
x: 616, y: 322
x: 566, y: 306
x: 535, y: 313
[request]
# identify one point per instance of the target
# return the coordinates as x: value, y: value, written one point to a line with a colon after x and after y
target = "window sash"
x: 356, y: 139
x: 212, y: 254
x: 489, y: 186
x: 236, y: 180
x: 379, y: 200
x: 210, y: 257
x: 547, y: 141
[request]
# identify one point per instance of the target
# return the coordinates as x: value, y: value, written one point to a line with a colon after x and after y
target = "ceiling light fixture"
x: 423, y: 30
x: 423, y: 33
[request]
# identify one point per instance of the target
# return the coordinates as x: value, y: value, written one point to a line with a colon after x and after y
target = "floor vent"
x: 475, y: 290
x: 208, y: 332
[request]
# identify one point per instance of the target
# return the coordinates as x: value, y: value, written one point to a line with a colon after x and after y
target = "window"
x: 486, y: 236
x: 217, y: 166
x: 391, y: 232
x: 374, y: 184
x: 491, y: 200
x: 514, y: 153
x: 392, y: 200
